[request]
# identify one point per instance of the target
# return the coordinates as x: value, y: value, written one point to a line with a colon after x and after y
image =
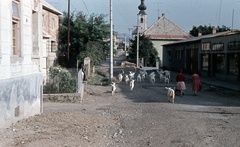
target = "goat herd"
x: 164, y: 76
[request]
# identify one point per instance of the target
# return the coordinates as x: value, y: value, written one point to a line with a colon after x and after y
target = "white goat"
x: 120, y: 77
x: 126, y: 79
x: 170, y: 94
x: 139, y: 78
x: 122, y: 71
x: 113, y: 88
x: 161, y: 77
x: 143, y: 74
x: 152, y: 78
x: 166, y: 79
x: 131, y: 75
x: 131, y: 84
x: 151, y: 74
x: 167, y: 75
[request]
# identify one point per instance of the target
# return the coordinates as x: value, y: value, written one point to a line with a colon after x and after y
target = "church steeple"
x: 142, y: 7
x: 142, y: 17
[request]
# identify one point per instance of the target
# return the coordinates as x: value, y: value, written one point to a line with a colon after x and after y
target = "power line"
x: 158, y: 10
x: 123, y: 12
x: 85, y: 6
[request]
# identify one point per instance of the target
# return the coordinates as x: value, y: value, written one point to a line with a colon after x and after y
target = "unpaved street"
x: 140, y: 118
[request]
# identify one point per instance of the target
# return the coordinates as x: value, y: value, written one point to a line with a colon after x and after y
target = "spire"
x: 142, y: 7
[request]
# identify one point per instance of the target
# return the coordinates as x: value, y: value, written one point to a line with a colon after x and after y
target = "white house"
x: 161, y: 32
x: 164, y: 31
x: 20, y: 60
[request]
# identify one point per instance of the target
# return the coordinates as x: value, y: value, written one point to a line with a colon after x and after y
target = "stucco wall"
x: 20, y: 76
x: 19, y: 98
x: 158, y: 45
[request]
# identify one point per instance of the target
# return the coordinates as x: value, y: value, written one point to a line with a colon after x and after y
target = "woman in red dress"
x: 180, y: 79
x: 195, y: 83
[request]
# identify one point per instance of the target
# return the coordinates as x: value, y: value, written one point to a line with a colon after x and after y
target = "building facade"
x: 161, y: 32
x: 20, y: 60
x: 164, y: 31
x: 50, y: 23
x: 216, y: 55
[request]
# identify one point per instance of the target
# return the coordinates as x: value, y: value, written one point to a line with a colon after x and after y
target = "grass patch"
x: 99, y: 78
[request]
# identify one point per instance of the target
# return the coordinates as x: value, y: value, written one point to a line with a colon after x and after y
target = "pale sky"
x: 184, y: 13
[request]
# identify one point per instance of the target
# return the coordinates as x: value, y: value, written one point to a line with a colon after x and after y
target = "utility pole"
x: 232, y: 19
x: 125, y: 42
x: 130, y: 32
x: 68, y: 42
x: 111, y: 42
x: 137, y: 46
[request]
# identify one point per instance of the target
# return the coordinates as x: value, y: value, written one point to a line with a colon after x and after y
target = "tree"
x: 146, y: 51
x: 207, y: 29
x: 84, y: 29
x: 95, y: 51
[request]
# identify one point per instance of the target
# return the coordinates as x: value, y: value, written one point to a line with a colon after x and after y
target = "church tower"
x: 142, y: 17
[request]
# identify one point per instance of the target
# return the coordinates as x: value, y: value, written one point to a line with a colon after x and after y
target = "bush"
x: 61, y: 81
x: 100, y: 78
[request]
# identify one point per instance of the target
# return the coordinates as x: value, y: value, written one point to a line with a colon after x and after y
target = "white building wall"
x: 20, y: 77
x: 158, y: 45
x: 5, y: 38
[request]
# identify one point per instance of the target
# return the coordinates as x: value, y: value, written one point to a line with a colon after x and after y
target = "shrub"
x: 61, y: 81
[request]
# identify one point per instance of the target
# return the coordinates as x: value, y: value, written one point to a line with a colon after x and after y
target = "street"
x: 140, y: 118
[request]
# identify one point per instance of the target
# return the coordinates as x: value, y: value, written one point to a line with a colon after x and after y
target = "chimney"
x: 159, y: 17
x: 214, y: 30
x: 163, y: 14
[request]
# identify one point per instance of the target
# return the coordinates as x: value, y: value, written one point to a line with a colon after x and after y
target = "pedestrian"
x: 180, y: 79
x: 196, y: 83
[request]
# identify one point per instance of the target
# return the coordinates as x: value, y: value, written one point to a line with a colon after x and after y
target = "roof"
x: 194, y: 39
x: 165, y: 29
x: 50, y: 8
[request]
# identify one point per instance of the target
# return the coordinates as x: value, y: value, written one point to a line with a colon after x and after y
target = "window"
x: 233, y: 64
x: 169, y: 56
x: 218, y: 47
x: 53, y: 46
x: 221, y: 63
x: 43, y: 20
x: 53, y: 23
x: 15, y: 28
x: 141, y: 20
x: 206, y: 46
x: 15, y: 37
x: 205, y: 62
x: 234, y: 45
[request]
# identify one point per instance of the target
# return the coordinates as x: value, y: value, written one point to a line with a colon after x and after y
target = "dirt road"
x: 143, y: 117
x: 139, y: 118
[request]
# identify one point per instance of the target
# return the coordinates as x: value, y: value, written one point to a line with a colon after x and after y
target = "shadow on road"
x: 146, y: 92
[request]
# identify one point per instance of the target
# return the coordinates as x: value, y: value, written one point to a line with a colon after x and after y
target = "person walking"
x: 196, y: 83
x: 180, y: 79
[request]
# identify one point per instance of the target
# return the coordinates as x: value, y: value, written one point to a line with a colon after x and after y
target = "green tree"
x: 95, y: 51
x: 146, y: 51
x: 207, y: 29
x: 83, y: 30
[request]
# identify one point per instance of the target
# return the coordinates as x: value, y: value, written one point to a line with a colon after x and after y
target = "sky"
x: 184, y: 13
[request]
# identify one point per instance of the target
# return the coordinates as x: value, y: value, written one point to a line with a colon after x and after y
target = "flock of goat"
x: 129, y: 78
